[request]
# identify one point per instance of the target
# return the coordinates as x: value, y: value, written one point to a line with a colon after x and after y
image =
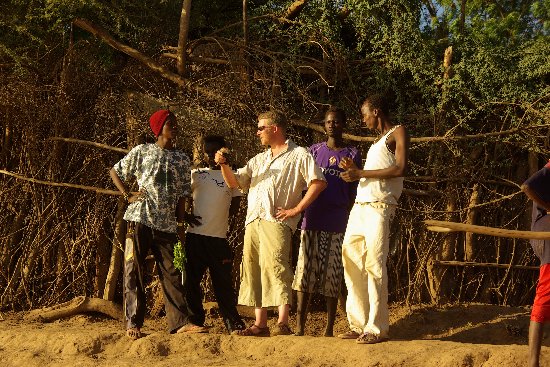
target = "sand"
x: 462, y: 335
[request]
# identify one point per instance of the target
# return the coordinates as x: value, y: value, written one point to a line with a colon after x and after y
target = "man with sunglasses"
x: 275, y: 180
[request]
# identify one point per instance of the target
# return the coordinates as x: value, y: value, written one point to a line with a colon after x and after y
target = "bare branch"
x: 150, y: 63
x: 92, y: 143
x: 484, y: 265
x: 444, y: 226
x: 62, y: 184
x: 425, y: 139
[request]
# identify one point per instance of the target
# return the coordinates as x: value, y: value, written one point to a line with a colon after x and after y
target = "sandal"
x: 282, y: 329
x: 133, y: 333
x: 370, y: 338
x: 190, y: 328
x: 349, y: 335
x: 263, y: 331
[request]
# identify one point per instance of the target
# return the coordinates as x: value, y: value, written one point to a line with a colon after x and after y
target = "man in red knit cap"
x: 155, y: 220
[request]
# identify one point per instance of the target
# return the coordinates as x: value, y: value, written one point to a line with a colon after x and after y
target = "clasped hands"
x: 351, y: 171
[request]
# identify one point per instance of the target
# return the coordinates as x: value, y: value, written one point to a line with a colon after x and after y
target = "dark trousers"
x: 161, y: 245
x: 215, y: 254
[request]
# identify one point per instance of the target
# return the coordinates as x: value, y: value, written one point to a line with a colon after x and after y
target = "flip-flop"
x: 349, y: 335
x: 133, y: 333
x: 370, y: 338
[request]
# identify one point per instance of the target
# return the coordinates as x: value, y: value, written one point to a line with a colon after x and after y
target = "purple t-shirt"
x: 330, y: 211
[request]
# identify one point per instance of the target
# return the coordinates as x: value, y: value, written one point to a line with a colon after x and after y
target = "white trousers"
x: 365, y: 251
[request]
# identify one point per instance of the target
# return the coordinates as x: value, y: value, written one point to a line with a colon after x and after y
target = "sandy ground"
x: 464, y: 335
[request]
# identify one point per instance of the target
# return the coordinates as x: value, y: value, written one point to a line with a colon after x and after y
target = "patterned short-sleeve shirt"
x: 164, y: 175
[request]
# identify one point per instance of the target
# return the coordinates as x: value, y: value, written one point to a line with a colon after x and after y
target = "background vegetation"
x: 470, y: 79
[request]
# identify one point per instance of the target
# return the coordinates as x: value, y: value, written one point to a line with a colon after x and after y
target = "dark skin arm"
x: 133, y: 196
x: 399, y: 141
x: 180, y: 215
x: 533, y: 196
x: 189, y: 217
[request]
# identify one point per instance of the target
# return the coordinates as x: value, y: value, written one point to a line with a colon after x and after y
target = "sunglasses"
x: 262, y: 128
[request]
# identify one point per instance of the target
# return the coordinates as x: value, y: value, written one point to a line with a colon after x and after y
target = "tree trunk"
x: 462, y: 16
x: 184, y: 33
x: 116, y: 252
x: 6, y: 145
x: 469, y: 238
x: 16, y: 235
x: 104, y: 248
x: 440, y: 290
x: 245, y: 68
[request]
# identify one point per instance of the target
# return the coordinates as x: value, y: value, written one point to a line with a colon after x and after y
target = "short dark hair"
x: 337, y: 111
x: 378, y: 101
x: 214, y: 139
x: 276, y: 118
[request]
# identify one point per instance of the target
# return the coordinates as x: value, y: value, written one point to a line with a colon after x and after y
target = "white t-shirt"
x: 211, y: 201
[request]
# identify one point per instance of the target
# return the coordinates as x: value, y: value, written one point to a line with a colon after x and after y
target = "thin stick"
x: 444, y: 226
x: 62, y: 184
x: 483, y: 265
x: 92, y: 143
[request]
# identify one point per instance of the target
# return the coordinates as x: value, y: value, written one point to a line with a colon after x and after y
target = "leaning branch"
x: 61, y: 184
x: 483, y: 265
x: 444, y: 226
x: 425, y: 139
x: 150, y: 63
x: 92, y: 143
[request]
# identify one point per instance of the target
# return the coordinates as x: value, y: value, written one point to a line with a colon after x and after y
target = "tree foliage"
x: 62, y: 81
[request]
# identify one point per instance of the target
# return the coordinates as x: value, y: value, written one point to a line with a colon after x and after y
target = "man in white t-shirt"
x: 206, y: 239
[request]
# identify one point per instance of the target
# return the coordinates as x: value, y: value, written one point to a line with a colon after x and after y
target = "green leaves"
x: 179, y: 257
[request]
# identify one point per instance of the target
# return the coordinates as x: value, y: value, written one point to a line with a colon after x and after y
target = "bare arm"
x: 189, y: 216
x: 533, y: 196
x: 129, y: 196
x: 180, y: 215
x: 311, y: 194
x: 227, y: 172
x: 402, y: 141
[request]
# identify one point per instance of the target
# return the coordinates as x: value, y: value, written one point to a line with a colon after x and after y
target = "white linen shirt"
x: 274, y: 182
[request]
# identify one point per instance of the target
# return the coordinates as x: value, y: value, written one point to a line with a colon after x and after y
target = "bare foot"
x: 133, y: 333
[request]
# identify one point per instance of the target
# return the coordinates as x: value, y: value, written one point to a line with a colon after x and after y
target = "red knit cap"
x: 156, y: 121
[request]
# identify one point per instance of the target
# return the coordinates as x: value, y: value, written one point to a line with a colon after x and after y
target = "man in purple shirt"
x: 319, y: 268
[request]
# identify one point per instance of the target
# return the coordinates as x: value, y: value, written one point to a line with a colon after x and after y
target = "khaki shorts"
x: 266, y: 273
